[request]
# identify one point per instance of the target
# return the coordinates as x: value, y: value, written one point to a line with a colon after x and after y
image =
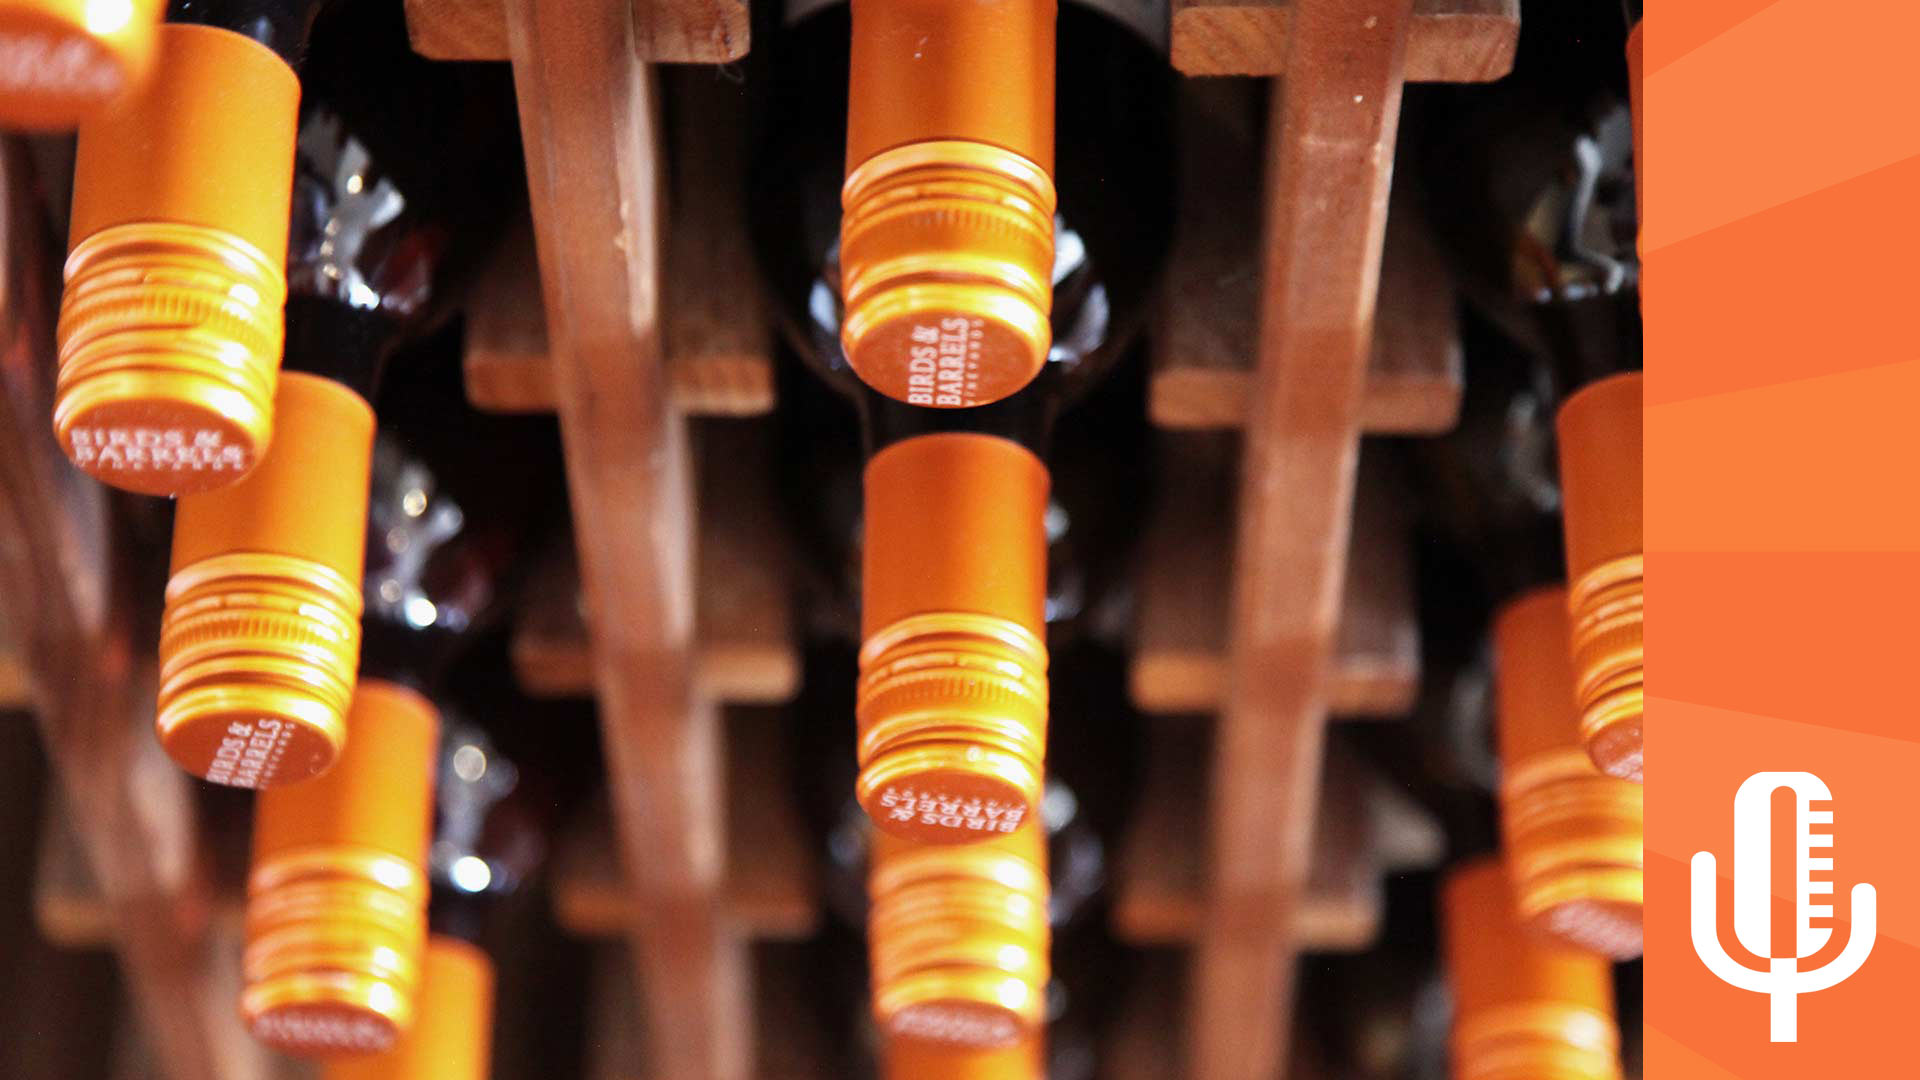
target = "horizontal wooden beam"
x: 1363, y: 830
x: 1202, y: 377
x: 1451, y: 41
x: 69, y: 612
x: 745, y: 651
x: 1179, y: 663
x: 665, y: 31
x: 717, y: 341
x: 793, y: 1044
x: 770, y: 890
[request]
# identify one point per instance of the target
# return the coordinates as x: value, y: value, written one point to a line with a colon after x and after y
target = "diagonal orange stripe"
x: 1803, y: 95
x: 1677, y: 29
x: 1668, y: 1056
x: 1792, y: 467
x: 1816, y: 286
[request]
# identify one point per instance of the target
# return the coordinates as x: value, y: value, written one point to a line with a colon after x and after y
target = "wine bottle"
x: 487, y: 845
x: 1094, y: 739
x: 909, y: 1060
x: 62, y: 61
x: 260, y: 636
x: 171, y: 323
x: 952, y: 702
x: 957, y: 938
x: 946, y: 243
x: 1600, y: 463
x: 452, y: 1038
x: 261, y: 630
x: 1573, y: 837
x: 1523, y: 1005
x: 337, y: 890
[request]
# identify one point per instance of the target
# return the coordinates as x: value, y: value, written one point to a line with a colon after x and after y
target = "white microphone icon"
x: 1752, y: 901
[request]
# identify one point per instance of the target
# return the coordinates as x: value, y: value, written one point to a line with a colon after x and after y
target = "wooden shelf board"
x: 664, y: 31
x: 1202, y: 375
x: 718, y: 345
x: 1363, y: 829
x: 1457, y: 41
x: 745, y: 651
x: 1185, y: 575
x: 770, y: 889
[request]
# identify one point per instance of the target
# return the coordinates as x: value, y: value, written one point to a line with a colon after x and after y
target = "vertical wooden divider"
x: 590, y: 122
x: 1330, y: 168
x: 92, y: 684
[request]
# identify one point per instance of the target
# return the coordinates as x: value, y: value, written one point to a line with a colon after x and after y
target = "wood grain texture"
x: 1160, y: 878
x: 771, y: 889
x: 1202, y: 365
x: 793, y: 1045
x: 745, y: 650
x: 718, y: 346
x: 92, y: 686
x: 1457, y: 41
x: 1328, y: 173
x: 665, y: 31
x: 1143, y: 1042
x: 589, y: 120
x: 1184, y: 577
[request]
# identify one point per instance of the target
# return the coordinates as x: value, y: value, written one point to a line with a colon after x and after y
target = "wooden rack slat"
x: 745, y: 651
x: 1448, y: 41
x: 791, y: 1046
x: 1329, y: 170
x: 718, y: 347
x: 68, y: 907
x: 1184, y: 578
x: 771, y: 889
x: 664, y: 31
x: 1363, y: 830
x: 589, y: 120
x: 93, y: 688
x: 1203, y: 361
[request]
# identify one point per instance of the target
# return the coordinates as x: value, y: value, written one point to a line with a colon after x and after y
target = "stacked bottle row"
x: 342, y: 963
x: 1526, y: 1006
x: 1530, y: 935
x: 220, y: 223
x: 946, y: 261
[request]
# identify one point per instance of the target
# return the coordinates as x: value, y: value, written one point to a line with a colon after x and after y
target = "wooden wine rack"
x: 1271, y: 365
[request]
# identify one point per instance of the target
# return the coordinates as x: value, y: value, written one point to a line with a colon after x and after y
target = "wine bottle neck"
x: 360, y: 258
x: 280, y: 25
x: 955, y: 522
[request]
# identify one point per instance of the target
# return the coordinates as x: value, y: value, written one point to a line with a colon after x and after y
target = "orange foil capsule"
x: 62, y: 61
x: 171, y: 324
x: 957, y: 939
x: 337, y: 894
x: 1525, y: 1007
x: 946, y: 236
x: 260, y: 640
x: 952, y: 701
x: 912, y: 1060
x: 1600, y: 460
x: 452, y: 1035
x: 1574, y: 836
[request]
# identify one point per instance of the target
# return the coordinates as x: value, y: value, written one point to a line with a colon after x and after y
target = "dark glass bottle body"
x: 280, y: 25
x: 1114, y: 131
x: 1114, y: 134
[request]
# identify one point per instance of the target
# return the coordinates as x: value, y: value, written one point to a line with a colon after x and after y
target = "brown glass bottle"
x: 171, y: 323
x: 953, y: 698
x: 337, y: 891
x: 262, y: 627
